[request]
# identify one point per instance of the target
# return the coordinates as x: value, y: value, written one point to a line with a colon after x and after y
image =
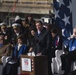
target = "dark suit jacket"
x: 8, y: 34
x: 42, y: 42
x: 14, y: 37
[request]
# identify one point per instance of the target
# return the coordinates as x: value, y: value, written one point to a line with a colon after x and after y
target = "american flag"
x: 63, y: 16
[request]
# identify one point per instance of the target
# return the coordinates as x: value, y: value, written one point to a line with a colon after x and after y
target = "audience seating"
x: 56, y: 62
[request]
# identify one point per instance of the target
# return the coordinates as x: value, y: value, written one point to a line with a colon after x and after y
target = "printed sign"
x: 26, y: 64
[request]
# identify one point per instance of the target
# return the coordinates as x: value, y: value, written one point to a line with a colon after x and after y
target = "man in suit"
x: 42, y: 40
x: 42, y: 44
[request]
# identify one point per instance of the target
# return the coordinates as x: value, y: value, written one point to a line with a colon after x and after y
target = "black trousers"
x: 10, y: 69
x: 72, y: 73
x: 49, y: 67
x: 67, y: 60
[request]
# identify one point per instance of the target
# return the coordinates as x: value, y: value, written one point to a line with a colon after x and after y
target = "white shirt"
x: 19, y: 45
x: 39, y: 32
x: 17, y: 34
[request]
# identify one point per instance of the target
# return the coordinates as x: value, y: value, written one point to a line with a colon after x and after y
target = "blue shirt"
x: 1, y: 45
x: 72, y: 44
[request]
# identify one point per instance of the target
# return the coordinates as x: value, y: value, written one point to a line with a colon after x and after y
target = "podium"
x: 34, y: 65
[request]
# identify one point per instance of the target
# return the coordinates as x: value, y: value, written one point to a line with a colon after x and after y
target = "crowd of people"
x: 38, y: 37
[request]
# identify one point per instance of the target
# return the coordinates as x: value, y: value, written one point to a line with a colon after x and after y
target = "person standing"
x: 42, y: 44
